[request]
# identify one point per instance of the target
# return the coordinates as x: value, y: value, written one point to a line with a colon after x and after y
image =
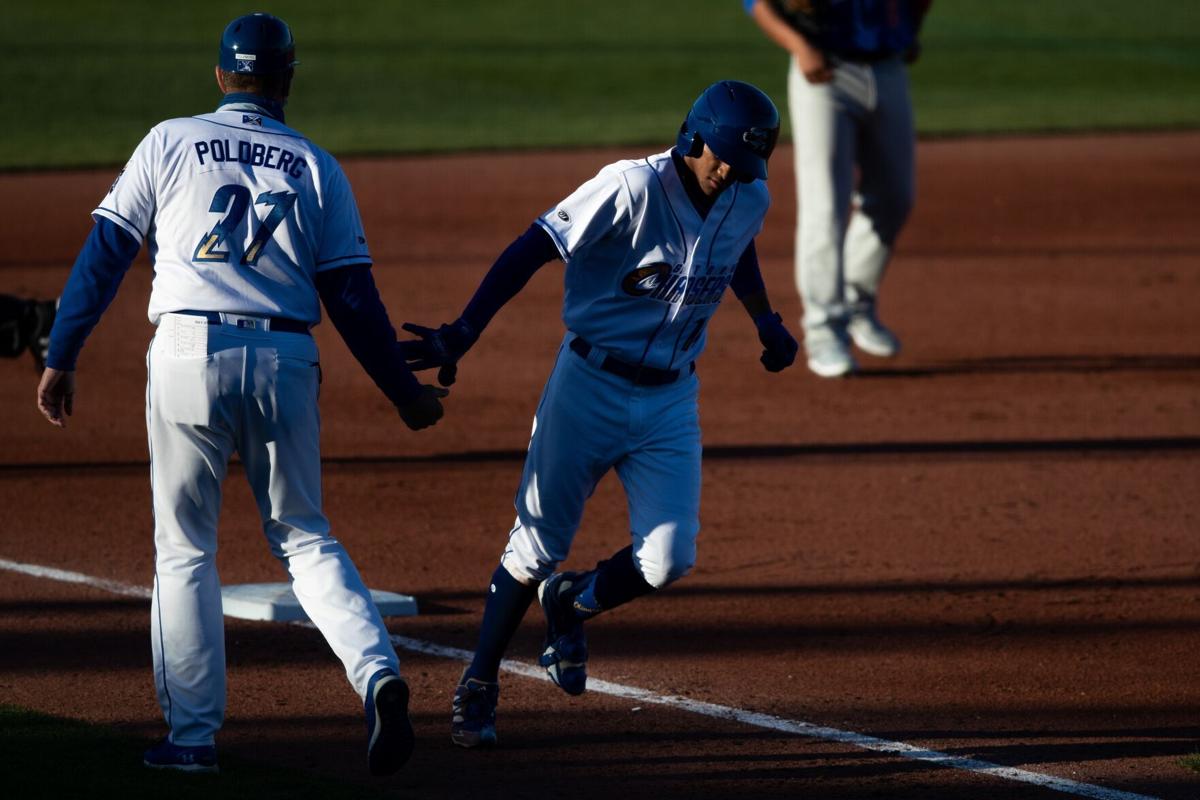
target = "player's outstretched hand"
x: 426, y: 410
x: 440, y: 348
x: 56, y: 395
x: 780, y: 347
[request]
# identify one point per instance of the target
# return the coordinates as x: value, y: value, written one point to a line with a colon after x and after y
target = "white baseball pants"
x: 862, y: 118
x: 213, y: 390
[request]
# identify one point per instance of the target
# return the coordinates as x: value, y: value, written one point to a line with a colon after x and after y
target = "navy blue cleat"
x: 185, y: 758
x: 390, y: 735
x: 565, y: 653
x: 474, y: 722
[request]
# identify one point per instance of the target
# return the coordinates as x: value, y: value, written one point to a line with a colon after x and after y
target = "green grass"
x: 1191, y: 762
x: 42, y: 756
x: 84, y: 81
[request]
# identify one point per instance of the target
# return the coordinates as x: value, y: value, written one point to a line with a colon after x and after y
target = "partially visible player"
x: 650, y: 246
x: 850, y: 111
x: 25, y: 324
x: 248, y: 224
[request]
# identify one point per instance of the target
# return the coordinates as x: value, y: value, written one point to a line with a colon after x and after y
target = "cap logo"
x: 245, y: 62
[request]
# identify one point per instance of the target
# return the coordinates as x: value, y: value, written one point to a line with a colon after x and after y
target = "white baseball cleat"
x: 870, y: 336
x: 829, y: 357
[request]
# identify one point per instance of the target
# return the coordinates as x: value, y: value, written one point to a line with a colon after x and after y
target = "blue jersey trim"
x: 737, y: 187
x: 362, y: 260
x: 558, y: 242
x: 683, y: 238
x: 271, y: 131
x: 122, y: 218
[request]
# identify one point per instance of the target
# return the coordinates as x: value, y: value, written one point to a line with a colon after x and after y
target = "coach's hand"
x: 426, y: 410
x: 441, y: 348
x: 780, y: 347
x: 56, y: 395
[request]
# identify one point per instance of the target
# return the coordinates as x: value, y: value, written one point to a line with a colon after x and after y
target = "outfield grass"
x: 84, y: 81
x: 42, y: 756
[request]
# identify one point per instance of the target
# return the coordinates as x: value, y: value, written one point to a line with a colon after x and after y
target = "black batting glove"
x: 779, y: 347
x: 440, y: 348
x: 425, y: 410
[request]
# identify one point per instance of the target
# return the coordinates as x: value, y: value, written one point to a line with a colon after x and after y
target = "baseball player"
x: 850, y: 108
x: 248, y: 223
x: 649, y: 246
x: 25, y: 324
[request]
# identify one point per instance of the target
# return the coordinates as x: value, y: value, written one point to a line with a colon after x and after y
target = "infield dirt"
x: 987, y: 546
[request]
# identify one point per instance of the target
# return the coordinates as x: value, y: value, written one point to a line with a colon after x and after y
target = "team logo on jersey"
x: 644, y: 280
x: 252, y: 119
x: 564, y: 216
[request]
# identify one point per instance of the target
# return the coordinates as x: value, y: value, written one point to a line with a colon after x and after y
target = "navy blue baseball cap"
x: 257, y: 44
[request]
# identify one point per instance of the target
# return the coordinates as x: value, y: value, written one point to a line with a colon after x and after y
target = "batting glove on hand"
x: 426, y: 410
x: 781, y: 348
x: 441, y: 348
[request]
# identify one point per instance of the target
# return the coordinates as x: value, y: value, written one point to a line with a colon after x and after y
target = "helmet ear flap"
x: 689, y: 143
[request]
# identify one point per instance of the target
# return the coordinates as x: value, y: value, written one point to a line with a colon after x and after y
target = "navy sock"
x: 612, y: 583
x: 507, y: 601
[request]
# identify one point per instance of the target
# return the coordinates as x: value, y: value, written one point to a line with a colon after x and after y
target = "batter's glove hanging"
x: 441, y: 348
x: 780, y: 348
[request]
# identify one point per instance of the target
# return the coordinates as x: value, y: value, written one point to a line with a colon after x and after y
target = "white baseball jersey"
x: 645, y: 271
x: 239, y: 212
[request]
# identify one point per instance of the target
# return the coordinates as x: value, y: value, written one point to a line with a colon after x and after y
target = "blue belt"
x: 280, y: 324
x: 636, y: 374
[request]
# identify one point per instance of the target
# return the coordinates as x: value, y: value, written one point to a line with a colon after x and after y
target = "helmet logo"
x: 245, y: 61
x: 759, y: 140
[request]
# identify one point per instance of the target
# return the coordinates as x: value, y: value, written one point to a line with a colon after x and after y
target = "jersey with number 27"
x: 645, y: 271
x: 239, y: 213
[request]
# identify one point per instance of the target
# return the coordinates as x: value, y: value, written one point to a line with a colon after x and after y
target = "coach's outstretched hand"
x: 56, y: 395
x: 441, y: 348
x: 426, y: 410
x: 780, y: 347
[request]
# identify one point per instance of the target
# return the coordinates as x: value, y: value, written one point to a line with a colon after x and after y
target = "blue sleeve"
x: 358, y: 314
x: 747, y: 278
x: 747, y: 5
x: 91, y: 287
x: 509, y: 274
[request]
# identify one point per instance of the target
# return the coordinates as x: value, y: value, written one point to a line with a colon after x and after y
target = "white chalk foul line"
x: 752, y: 718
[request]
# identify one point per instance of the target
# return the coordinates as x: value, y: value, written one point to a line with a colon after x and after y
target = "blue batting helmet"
x: 257, y: 44
x: 738, y: 122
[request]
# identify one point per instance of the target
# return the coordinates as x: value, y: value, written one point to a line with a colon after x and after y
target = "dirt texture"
x: 987, y: 546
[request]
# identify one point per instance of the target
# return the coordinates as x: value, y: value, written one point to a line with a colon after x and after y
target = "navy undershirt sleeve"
x: 354, y: 307
x: 509, y: 274
x: 747, y: 278
x: 91, y: 287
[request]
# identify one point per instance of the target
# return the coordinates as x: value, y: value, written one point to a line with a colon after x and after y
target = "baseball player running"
x: 849, y: 103
x: 649, y: 246
x: 248, y: 223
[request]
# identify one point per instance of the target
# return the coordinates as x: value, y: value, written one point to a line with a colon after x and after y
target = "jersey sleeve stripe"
x: 125, y: 223
x: 558, y: 242
x: 358, y: 258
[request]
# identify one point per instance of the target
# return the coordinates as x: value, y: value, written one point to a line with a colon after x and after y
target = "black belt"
x: 639, y: 376
x: 280, y: 324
